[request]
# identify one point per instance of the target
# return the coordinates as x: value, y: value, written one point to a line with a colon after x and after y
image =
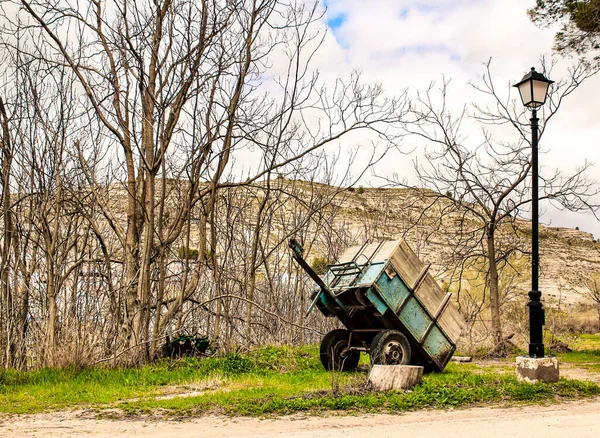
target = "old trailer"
x: 391, y: 307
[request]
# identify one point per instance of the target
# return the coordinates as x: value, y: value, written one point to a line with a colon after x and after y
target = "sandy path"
x: 572, y: 419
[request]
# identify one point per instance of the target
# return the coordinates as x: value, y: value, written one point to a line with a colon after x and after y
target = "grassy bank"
x: 586, y: 351
x: 267, y: 381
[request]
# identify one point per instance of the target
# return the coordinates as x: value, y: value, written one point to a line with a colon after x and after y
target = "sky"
x: 408, y: 44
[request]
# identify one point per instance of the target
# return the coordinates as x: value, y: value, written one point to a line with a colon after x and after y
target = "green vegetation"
x: 268, y: 381
x: 295, y: 392
x: 579, y: 21
x: 319, y: 265
x: 586, y: 351
x: 187, y: 253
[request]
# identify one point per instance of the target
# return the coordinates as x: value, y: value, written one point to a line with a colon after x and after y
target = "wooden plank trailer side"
x: 391, y: 307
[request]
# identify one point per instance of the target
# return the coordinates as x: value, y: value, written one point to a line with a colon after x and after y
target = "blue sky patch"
x: 336, y: 21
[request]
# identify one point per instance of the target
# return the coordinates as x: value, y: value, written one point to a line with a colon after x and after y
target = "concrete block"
x: 537, y: 369
x: 461, y: 359
x: 387, y: 377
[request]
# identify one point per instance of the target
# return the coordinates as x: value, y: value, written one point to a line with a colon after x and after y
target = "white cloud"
x: 408, y: 44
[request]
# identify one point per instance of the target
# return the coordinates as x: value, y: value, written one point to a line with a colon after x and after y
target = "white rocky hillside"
x: 568, y: 257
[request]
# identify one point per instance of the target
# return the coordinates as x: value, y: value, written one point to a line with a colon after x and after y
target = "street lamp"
x: 533, y: 89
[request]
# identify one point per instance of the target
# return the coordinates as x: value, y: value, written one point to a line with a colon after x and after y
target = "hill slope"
x: 568, y: 257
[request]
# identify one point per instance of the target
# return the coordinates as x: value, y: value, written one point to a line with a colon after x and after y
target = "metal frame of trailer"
x: 389, y: 304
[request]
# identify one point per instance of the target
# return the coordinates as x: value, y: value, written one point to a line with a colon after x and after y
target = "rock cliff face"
x: 568, y: 260
x: 568, y: 257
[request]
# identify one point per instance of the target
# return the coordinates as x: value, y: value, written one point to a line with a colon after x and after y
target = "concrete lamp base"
x: 537, y: 369
x: 388, y: 377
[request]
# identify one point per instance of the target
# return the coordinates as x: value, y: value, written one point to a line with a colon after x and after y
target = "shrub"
x: 319, y: 265
x: 187, y: 253
x: 235, y: 363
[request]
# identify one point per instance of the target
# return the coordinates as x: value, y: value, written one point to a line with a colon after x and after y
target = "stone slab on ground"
x: 461, y: 359
x: 387, y: 377
x: 537, y: 369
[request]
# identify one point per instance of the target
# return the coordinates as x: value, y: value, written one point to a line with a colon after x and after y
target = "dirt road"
x: 573, y: 419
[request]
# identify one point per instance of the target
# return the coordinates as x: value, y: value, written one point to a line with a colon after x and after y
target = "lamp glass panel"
x: 540, y: 89
x: 525, y: 92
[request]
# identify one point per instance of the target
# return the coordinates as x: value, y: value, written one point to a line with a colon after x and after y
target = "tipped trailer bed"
x: 391, y: 307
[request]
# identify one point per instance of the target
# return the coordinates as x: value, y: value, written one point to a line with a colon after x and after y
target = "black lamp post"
x: 533, y: 89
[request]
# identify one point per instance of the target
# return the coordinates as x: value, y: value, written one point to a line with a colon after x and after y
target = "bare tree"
x: 144, y: 163
x: 592, y: 291
x: 483, y: 189
x: 6, y: 296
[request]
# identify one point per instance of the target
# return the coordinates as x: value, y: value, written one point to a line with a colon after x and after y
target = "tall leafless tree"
x: 483, y: 189
x: 137, y: 160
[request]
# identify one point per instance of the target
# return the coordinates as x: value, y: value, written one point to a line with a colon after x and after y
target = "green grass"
x: 311, y: 391
x: 586, y: 349
x: 268, y: 381
x: 52, y: 389
x: 580, y: 356
x: 583, y: 342
x: 585, y: 354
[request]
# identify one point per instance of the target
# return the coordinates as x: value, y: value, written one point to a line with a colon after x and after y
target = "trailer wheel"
x: 333, y: 356
x: 390, y: 347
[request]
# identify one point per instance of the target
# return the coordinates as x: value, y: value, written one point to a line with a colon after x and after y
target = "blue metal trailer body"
x: 392, y: 292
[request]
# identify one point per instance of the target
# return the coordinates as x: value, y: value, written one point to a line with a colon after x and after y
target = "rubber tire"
x: 387, y: 343
x: 331, y: 346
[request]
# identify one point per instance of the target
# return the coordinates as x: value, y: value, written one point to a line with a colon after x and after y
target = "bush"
x: 234, y: 363
x: 284, y: 358
x: 319, y: 265
x: 187, y: 253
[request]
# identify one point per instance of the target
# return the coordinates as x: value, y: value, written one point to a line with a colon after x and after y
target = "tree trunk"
x: 494, y: 292
x: 253, y: 264
x: 6, y: 298
x: 131, y: 253
x: 52, y: 317
x: 162, y: 266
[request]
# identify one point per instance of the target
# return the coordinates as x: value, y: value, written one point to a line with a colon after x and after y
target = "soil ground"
x: 572, y: 419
